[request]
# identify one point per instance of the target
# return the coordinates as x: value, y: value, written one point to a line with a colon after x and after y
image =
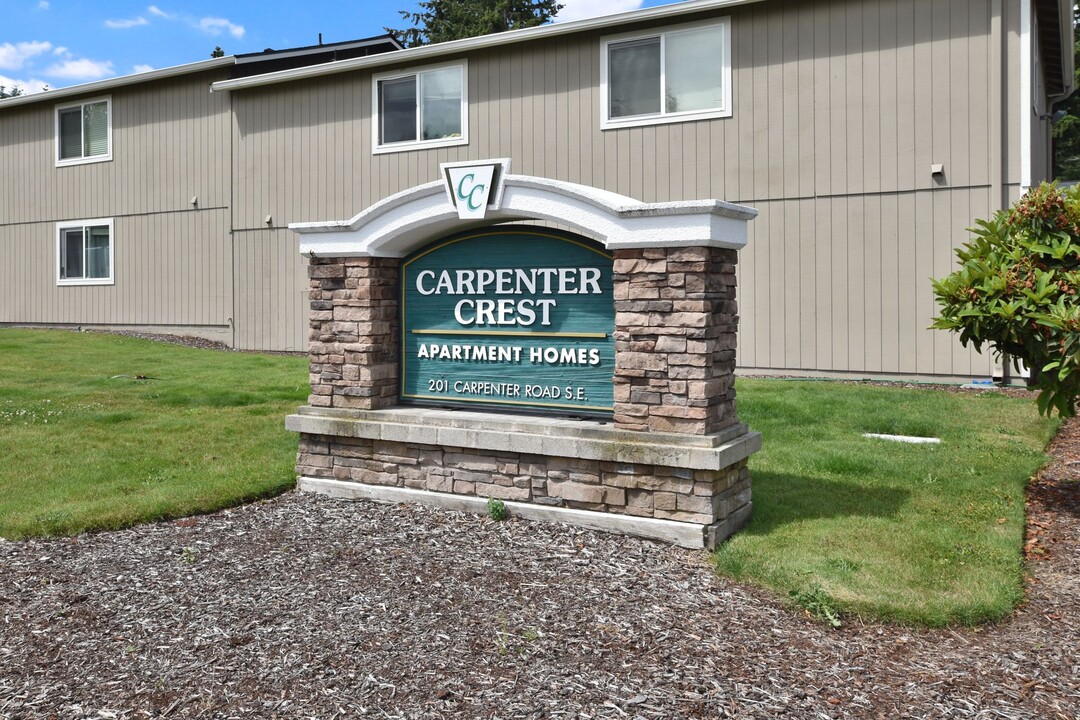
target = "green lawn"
x: 929, y: 534
x: 84, y: 449
x: 912, y: 533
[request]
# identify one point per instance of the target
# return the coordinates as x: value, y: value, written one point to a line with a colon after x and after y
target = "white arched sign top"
x: 401, y: 223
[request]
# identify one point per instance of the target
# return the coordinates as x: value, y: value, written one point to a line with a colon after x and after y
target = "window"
x: 680, y: 74
x: 420, y: 108
x: 84, y: 252
x: 84, y: 132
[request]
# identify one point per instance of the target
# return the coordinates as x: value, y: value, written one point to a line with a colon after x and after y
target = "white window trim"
x: 56, y: 131
x: 67, y: 225
x: 379, y: 149
x: 663, y: 118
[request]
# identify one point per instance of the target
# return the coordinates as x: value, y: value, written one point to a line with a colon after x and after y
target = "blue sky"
x: 59, y: 43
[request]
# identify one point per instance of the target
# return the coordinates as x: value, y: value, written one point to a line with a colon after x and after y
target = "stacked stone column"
x: 354, y: 332
x: 675, y: 337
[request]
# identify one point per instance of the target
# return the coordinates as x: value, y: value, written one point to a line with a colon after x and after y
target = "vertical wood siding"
x: 170, y: 269
x: 271, y: 291
x: 840, y: 108
x: 170, y: 143
x: 173, y: 262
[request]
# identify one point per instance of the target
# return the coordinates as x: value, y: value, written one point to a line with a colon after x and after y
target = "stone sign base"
x: 693, y: 490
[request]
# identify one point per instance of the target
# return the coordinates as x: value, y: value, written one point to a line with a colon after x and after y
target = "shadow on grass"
x: 784, y: 498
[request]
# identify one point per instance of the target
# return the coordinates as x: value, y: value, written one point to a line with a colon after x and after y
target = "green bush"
x: 1016, y: 291
x: 496, y: 509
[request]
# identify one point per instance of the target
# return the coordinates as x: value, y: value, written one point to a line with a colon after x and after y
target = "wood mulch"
x: 309, y: 607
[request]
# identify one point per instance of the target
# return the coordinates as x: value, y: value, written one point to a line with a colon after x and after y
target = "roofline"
x: 110, y: 83
x: 262, y: 55
x: 476, y: 43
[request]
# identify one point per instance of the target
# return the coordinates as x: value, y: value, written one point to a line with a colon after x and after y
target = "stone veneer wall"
x: 354, y: 320
x: 675, y: 336
x: 675, y: 339
x: 695, y: 496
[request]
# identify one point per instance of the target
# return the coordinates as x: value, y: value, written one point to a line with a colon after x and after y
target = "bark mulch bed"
x: 304, y: 606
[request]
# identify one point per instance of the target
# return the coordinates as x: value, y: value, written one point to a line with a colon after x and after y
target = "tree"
x: 1017, y: 291
x: 15, y: 91
x: 1066, y: 132
x: 444, y: 20
x: 217, y: 52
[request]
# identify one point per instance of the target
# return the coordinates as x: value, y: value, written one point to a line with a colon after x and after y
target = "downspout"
x: 998, y: 125
x: 1027, y: 102
x: 997, y: 107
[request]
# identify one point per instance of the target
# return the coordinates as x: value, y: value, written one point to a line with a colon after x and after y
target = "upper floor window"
x: 420, y: 108
x: 84, y: 252
x: 84, y: 132
x: 682, y: 73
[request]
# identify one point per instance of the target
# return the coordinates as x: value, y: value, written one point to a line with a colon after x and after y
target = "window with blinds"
x: 84, y: 132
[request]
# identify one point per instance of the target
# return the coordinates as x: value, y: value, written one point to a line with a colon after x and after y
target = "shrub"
x: 496, y: 509
x: 1016, y: 291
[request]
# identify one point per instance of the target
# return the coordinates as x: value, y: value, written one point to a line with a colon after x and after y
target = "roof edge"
x: 424, y: 52
x: 119, y: 81
x: 245, y: 58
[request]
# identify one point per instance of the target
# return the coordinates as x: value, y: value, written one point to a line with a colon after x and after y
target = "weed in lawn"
x: 52, y: 522
x: 843, y: 565
x: 818, y: 603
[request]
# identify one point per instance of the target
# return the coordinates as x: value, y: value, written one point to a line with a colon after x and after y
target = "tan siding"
x: 271, y: 291
x: 843, y: 284
x: 840, y: 107
x: 170, y: 269
x: 830, y: 98
x: 170, y: 142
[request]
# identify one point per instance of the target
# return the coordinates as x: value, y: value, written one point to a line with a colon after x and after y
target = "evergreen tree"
x: 444, y: 20
x: 14, y: 91
x: 217, y: 52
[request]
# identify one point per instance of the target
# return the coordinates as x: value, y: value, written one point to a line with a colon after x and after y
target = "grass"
x: 842, y: 524
x: 924, y: 534
x: 88, y: 446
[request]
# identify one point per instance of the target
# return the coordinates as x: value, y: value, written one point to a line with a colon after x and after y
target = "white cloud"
x: 208, y: 25
x: 43, y: 4
x: 215, y: 26
x: 28, y: 86
x: 61, y: 50
x: 13, y: 57
x: 81, y: 69
x: 579, y: 9
x: 125, y: 24
x: 142, y: 68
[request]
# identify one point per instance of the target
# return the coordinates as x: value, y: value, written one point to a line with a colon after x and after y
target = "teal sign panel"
x: 512, y: 317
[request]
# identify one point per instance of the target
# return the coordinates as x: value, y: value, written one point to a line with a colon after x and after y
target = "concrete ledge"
x: 687, y: 535
x: 589, y: 440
